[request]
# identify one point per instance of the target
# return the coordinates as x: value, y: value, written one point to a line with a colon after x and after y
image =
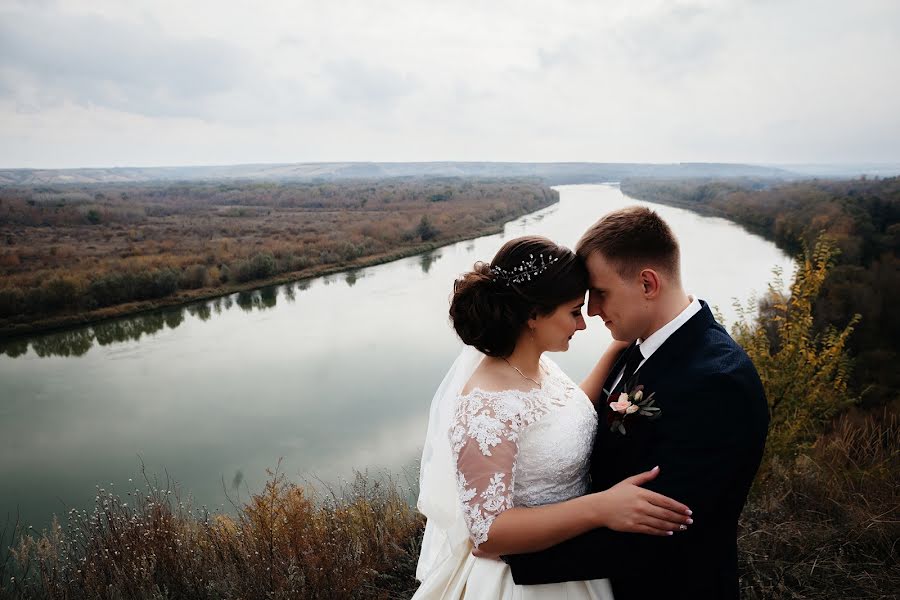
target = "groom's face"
x: 618, y: 301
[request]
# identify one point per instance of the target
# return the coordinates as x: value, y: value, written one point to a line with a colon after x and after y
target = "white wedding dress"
x: 506, y: 448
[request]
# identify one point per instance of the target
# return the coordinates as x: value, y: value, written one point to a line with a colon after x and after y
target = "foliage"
x: 259, y: 266
x: 285, y: 542
x: 425, y: 230
x: 861, y: 216
x: 804, y: 372
x: 71, y: 249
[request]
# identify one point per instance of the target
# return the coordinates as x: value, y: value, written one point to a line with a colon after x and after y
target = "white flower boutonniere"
x: 628, y: 404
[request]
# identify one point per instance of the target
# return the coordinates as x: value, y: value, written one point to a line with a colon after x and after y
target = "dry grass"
x: 285, y: 542
x: 828, y: 524
x: 824, y: 526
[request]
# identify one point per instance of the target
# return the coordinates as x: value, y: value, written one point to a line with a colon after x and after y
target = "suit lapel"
x: 682, y: 337
x: 653, y: 375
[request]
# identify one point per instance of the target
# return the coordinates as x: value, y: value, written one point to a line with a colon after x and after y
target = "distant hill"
x: 552, y: 173
x: 843, y: 171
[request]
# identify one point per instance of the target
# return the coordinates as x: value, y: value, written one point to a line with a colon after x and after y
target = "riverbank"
x: 78, y: 255
x: 184, y: 298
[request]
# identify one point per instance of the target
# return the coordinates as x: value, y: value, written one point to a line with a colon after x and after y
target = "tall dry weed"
x: 285, y: 542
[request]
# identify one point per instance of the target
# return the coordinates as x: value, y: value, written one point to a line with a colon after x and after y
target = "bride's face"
x: 553, y: 331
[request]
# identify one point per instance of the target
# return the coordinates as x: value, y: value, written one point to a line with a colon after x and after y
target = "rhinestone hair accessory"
x: 532, y: 267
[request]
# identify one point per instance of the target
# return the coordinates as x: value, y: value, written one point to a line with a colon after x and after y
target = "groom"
x: 707, y: 439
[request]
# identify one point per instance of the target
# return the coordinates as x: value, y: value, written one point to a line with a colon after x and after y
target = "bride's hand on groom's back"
x: 629, y: 508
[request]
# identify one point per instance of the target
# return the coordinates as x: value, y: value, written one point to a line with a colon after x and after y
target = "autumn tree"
x: 805, y: 373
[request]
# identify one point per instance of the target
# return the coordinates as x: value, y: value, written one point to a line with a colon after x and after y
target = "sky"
x: 108, y: 83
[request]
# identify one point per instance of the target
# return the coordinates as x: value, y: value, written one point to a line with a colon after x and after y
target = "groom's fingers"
x: 666, y: 502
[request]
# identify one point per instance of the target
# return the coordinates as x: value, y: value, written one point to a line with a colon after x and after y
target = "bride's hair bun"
x: 491, y: 306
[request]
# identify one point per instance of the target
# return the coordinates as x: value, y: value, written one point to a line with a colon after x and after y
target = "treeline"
x: 861, y: 216
x: 70, y: 250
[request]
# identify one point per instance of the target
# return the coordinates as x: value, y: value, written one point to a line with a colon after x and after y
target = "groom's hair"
x: 633, y: 239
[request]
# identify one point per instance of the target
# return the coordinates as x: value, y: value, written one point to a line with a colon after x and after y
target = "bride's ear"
x: 650, y: 283
x: 531, y: 323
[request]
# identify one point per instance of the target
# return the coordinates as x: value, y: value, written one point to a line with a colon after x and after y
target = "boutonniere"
x: 629, y: 404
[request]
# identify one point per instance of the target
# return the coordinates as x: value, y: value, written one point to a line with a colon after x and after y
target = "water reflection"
x: 428, y: 259
x: 351, y: 277
x: 174, y: 318
x: 201, y: 311
x: 14, y: 348
x: 261, y: 299
x: 67, y: 343
x: 77, y: 342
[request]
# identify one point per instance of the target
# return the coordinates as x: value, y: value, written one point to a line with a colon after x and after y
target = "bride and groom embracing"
x: 628, y: 485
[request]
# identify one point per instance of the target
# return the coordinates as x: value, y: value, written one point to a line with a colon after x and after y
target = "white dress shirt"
x: 651, y: 344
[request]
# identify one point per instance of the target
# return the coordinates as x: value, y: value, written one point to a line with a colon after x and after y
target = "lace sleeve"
x: 484, y: 438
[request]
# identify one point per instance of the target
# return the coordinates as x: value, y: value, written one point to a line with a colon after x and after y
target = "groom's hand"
x: 629, y: 508
x: 477, y: 553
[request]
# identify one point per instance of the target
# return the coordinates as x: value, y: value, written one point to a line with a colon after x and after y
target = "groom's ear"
x: 650, y: 283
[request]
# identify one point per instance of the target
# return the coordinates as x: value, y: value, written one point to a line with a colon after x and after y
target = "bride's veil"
x: 446, y: 533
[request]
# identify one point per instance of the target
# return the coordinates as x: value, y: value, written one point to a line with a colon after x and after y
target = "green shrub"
x: 12, y: 302
x: 59, y: 293
x: 259, y: 266
x: 116, y: 288
x: 193, y: 277
x: 425, y: 230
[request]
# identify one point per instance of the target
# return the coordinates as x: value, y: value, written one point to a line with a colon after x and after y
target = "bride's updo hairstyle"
x: 529, y: 276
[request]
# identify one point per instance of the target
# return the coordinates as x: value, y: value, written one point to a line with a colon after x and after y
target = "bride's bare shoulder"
x: 494, y: 375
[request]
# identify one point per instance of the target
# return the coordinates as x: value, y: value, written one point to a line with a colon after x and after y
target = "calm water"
x: 332, y: 374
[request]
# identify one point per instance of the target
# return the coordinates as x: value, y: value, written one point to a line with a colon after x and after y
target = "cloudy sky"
x: 189, y: 82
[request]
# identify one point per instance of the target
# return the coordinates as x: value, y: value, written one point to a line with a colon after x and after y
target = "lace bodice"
x: 521, y: 448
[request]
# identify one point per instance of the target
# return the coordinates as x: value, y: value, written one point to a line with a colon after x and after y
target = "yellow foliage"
x: 804, y: 372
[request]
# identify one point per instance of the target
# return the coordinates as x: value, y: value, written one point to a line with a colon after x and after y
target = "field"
x: 78, y: 253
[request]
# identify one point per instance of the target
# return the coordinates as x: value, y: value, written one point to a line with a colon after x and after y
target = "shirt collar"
x: 657, y: 338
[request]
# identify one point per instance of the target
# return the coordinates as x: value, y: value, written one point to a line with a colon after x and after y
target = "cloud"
x: 360, y: 84
x: 47, y: 59
x: 294, y: 80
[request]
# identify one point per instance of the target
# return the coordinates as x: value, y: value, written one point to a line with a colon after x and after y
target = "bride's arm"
x: 625, y: 507
x: 484, y: 439
x: 593, y: 383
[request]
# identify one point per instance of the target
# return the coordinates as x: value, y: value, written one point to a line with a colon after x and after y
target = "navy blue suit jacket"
x: 708, y: 443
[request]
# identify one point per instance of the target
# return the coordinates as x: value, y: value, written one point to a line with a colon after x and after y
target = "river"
x: 331, y: 374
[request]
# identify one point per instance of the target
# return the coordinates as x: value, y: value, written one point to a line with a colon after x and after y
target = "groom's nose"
x: 593, y: 307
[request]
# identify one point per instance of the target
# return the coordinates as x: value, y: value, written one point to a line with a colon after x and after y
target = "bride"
x: 505, y: 463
